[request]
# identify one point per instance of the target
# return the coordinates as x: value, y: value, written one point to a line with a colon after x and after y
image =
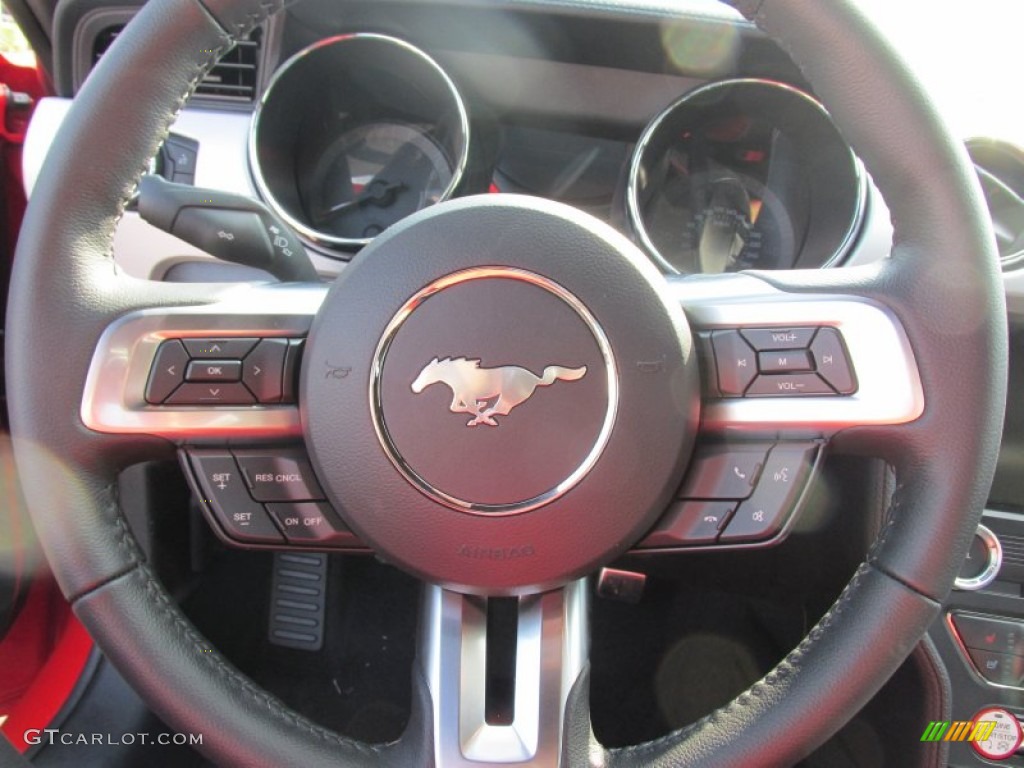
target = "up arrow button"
x: 224, y: 349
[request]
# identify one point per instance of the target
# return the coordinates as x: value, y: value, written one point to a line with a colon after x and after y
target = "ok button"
x: 214, y: 370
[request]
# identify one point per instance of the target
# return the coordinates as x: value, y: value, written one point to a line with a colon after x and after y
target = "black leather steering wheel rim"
x: 942, y: 282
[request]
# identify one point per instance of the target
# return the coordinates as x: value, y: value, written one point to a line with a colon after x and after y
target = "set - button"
x: 781, y: 362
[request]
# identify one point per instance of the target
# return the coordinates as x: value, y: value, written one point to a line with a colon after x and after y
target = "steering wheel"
x: 925, y: 331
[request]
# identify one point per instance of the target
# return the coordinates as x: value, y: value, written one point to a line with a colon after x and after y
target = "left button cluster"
x: 266, y: 497
x: 223, y: 371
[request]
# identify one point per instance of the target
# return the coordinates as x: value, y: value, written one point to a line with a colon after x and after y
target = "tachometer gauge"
x: 355, y: 133
x: 744, y: 174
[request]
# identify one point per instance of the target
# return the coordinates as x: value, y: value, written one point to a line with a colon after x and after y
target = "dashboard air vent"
x: 234, y: 78
x: 1000, y: 169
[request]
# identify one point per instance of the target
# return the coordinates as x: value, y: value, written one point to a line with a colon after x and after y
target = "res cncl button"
x: 281, y: 476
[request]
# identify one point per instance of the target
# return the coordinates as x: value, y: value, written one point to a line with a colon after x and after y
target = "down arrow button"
x: 262, y: 370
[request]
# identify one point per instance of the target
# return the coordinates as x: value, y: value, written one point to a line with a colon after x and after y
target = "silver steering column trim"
x: 552, y: 646
x: 889, y: 385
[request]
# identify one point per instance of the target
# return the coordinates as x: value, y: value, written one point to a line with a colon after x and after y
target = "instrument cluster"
x: 358, y: 131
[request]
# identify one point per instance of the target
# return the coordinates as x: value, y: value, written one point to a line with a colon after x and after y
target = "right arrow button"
x: 262, y: 370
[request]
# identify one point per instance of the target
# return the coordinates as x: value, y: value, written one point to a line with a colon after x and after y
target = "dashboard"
x: 698, y: 139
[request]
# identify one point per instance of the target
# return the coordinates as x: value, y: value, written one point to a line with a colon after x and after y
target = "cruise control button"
x: 765, y: 339
x: 312, y: 523
x: 219, y: 348
x: 211, y: 394
x: 225, y: 494
x: 764, y: 514
x: 784, y: 361
x: 999, y: 668
x: 736, y: 361
x: 724, y: 471
x: 989, y: 634
x: 262, y: 369
x: 284, y: 475
x: 788, y: 385
x: 690, y: 523
x: 831, y: 361
x: 168, y: 371
x: 214, y: 370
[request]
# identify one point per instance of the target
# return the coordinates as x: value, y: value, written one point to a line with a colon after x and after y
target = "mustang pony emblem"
x: 488, y: 392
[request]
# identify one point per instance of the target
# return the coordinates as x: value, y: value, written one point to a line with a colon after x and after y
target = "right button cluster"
x: 741, y: 494
x: 782, y: 362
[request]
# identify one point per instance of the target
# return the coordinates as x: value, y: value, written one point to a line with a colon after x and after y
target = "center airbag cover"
x: 499, y: 395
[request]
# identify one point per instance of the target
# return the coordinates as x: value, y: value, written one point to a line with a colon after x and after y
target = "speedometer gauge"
x: 354, y: 134
x: 744, y: 174
x: 373, y: 176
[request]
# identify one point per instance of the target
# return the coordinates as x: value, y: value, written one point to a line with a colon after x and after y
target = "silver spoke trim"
x: 889, y: 386
x: 552, y: 648
x: 114, y: 396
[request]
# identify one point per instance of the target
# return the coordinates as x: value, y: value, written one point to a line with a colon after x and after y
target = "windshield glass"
x: 967, y: 55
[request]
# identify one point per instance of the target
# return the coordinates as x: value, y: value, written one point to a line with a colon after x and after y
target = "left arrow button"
x: 168, y: 371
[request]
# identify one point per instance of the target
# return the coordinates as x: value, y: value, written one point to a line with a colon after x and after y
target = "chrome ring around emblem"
x: 520, y: 379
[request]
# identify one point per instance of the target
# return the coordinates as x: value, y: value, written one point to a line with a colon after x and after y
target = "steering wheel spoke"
x: 500, y: 672
x: 222, y: 370
x: 783, y: 374
x: 806, y: 363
